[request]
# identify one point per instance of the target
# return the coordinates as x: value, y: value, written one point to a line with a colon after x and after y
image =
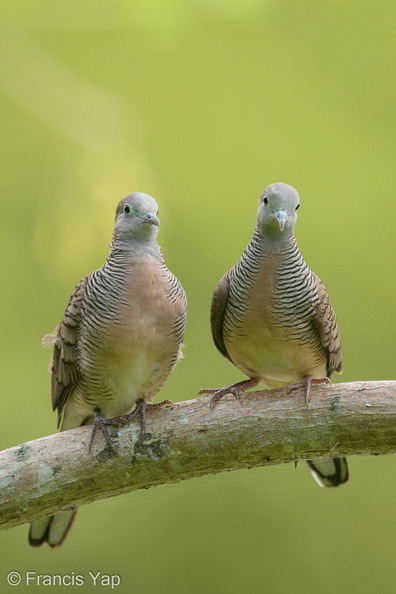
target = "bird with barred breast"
x: 120, y: 337
x: 272, y: 318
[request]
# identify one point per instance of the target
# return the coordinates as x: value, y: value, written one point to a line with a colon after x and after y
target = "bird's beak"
x: 281, y: 217
x: 151, y: 218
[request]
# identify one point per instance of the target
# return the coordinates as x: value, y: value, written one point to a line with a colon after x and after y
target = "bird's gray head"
x: 277, y: 212
x: 136, y: 218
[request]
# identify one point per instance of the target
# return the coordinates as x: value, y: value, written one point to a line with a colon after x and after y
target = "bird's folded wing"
x: 326, y: 323
x: 217, y: 313
x: 64, y: 368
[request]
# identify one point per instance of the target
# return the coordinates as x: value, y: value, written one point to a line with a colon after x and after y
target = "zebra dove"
x: 272, y: 318
x: 120, y: 337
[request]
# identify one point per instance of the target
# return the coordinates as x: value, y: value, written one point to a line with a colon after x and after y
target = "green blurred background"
x: 202, y: 104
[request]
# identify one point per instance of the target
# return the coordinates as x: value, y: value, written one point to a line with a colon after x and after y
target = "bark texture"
x: 189, y: 439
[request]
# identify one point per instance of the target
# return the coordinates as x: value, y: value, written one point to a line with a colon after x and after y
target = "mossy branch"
x: 189, y: 439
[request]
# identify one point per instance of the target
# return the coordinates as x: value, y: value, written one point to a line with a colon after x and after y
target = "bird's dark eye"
x: 265, y: 200
x: 297, y: 207
x: 127, y: 209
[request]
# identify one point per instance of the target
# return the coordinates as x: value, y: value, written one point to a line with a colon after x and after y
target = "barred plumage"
x: 120, y: 337
x: 271, y: 315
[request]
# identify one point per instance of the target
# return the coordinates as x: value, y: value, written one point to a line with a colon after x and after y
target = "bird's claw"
x: 206, y: 391
x: 237, y: 393
x: 307, y: 383
x: 100, y: 422
x: 235, y: 389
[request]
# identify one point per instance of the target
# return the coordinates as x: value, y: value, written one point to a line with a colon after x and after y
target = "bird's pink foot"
x: 144, y: 407
x: 235, y: 389
x: 140, y: 408
x: 307, y: 383
x: 100, y: 422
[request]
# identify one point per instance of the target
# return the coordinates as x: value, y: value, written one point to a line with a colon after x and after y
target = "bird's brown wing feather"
x: 64, y: 368
x: 327, y: 326
x: 217, y: 313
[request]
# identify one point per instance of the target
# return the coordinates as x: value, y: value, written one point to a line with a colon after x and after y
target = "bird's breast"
x: 128, y: 351
x: 272, y: 336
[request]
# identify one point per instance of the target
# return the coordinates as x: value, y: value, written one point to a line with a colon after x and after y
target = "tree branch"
x: 189, y: 439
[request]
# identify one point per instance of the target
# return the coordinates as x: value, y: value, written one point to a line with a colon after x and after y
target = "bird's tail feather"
x: 329, y: 472
x: 52, y: 530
